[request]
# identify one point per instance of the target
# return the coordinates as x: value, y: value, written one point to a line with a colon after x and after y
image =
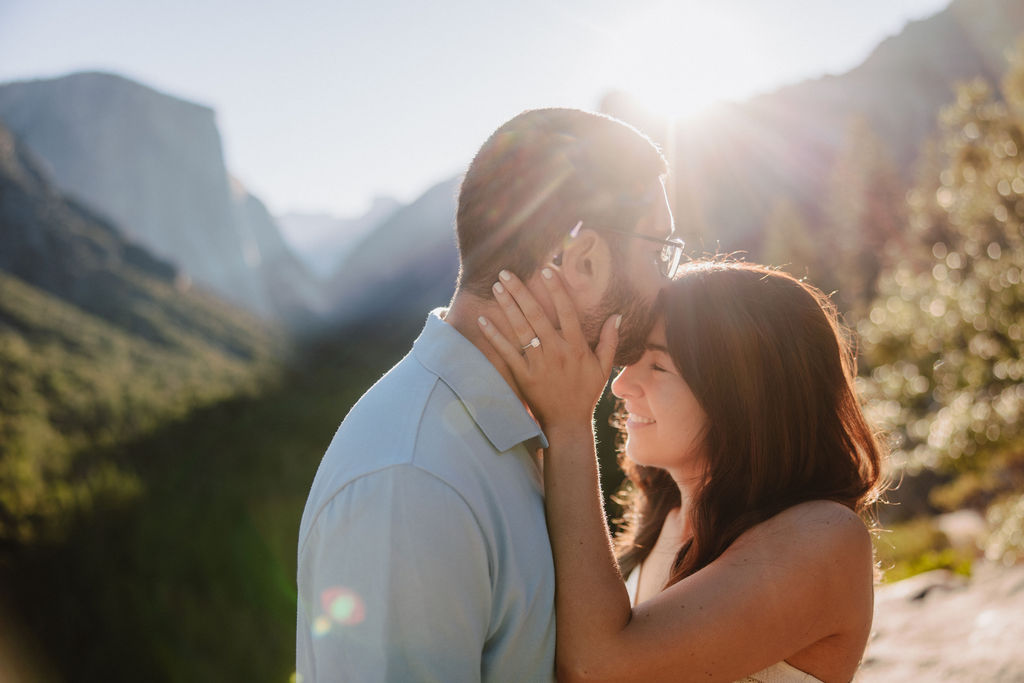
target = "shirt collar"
x: 489, y: 399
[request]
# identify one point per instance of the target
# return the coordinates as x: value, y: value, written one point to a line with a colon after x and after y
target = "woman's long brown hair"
x: 772, y: 367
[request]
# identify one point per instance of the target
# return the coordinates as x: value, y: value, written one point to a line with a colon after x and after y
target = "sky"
x: 323, y: 105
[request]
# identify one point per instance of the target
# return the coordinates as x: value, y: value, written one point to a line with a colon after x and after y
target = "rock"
x: 963, y: 528
x: 941, y: 627
x: 152, y: 164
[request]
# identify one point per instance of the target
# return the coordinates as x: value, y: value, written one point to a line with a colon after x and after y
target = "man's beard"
x: 637, y: 318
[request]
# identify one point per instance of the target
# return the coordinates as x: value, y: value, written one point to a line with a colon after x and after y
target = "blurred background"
x: 221, y: 222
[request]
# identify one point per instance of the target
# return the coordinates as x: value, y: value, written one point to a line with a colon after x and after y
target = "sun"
x: 679, y: 58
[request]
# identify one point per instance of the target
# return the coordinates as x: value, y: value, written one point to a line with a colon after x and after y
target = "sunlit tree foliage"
x: 944, y: 335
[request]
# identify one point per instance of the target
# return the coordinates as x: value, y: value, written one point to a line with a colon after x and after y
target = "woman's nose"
x: 624, y: 386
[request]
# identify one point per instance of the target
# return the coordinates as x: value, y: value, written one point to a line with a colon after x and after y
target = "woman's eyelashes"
x: 659, y: 363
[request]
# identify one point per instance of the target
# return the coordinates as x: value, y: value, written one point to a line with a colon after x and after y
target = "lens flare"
x: 321, y: 625
x: 342, y: 606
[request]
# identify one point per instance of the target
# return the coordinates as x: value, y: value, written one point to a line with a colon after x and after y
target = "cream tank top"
x: 780, y: 672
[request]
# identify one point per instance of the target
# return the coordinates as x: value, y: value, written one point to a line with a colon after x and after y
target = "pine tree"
x: 946, y: 331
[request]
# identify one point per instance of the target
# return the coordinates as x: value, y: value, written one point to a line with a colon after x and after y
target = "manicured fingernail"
x: 618, y: 321
x: 546, y: 272
x: 505, y: 275
x: 482, y: 320
x: 498, y: 288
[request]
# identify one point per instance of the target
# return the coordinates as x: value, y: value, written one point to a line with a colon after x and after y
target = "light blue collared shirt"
x: 423, y: 549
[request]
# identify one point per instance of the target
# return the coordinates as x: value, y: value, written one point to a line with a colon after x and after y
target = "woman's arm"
x: 783, y: 586
x: 563, y: 380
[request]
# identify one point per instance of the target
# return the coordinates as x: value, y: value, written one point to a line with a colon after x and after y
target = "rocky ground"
x: 942, y: 627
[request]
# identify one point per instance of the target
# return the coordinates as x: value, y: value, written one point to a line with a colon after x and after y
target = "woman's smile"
x: 635, y: 421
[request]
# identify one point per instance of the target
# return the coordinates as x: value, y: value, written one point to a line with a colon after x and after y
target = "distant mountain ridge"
x: 153, y: 164
x: 406, y: 266
x: 323, y: 240
x: 732, y: 167
x: 49, y: 241
x: 60, y: 247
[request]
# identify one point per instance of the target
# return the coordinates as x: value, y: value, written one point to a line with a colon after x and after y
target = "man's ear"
x: 587, y: 267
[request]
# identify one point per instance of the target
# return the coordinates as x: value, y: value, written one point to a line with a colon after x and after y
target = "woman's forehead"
x: 656, y: 338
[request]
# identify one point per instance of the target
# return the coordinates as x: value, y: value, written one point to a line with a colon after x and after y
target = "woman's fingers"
x: 609, y: 341
x: 521, y: 327
x: 568, y: 321
x: 528, y: 307
x: 511, y: 354
x: 562, y: 378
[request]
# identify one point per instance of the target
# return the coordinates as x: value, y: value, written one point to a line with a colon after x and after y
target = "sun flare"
x: 678, y: 58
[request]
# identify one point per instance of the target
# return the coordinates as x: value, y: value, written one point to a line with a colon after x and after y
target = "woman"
x: 751, y: 463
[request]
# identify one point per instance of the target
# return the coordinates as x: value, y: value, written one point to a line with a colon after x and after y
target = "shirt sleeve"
x: 394, y: 584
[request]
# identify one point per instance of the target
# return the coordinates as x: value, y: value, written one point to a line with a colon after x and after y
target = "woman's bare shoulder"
x: 820, y: 514
x: 814, y: 531
x: 819, y: 554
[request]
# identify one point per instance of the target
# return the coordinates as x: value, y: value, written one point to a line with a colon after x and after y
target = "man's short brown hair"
x: 538, y: 175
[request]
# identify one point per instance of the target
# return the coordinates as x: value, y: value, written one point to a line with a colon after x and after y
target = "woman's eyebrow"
x: 656, y: 347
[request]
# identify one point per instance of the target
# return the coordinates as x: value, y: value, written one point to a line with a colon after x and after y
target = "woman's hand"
x: 561, y: 377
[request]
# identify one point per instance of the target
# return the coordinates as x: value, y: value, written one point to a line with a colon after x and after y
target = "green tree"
x: 945, y: 333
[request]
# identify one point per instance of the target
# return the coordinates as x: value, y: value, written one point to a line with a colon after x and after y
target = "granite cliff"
x: 153, y: 164
x: 55, y: 244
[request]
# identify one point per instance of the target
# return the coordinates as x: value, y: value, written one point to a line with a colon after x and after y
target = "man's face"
x: 634, y: 285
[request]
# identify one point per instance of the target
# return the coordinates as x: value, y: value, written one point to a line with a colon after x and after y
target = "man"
x: 423, y: 550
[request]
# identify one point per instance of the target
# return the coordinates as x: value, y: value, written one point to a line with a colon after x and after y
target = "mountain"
x: 153, y: 164
x: 289, y: 289
x: 322, y: 240
x: 99, y: 342
x: 405, y: 267
x: 61, y: 247
x: 733, y: 166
